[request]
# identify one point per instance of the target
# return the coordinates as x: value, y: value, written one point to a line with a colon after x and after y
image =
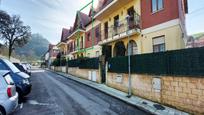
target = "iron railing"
x: 121, y: 27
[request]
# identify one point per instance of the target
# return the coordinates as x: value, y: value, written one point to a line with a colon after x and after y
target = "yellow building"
x: 149, y: 26
x: 62, y: 46
x: 80, y: 42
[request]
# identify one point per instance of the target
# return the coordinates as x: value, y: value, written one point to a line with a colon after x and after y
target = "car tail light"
x: 9, y: 92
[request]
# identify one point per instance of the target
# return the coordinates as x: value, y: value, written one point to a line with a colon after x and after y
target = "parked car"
x: 22, y: 68
x: 28, y: 66
x: 8, y: 94
x: 21, y: 79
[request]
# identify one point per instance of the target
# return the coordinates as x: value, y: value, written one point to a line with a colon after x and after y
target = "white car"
x: 8, y: 94
x: 27, y: 67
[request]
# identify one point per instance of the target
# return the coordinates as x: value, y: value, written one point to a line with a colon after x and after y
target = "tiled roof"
x: 51, y: 46
x: 102, y: 4
x: 84, y: 20
x: 65, y: 34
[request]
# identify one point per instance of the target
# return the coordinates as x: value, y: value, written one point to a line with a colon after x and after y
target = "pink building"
x: 195, y: 42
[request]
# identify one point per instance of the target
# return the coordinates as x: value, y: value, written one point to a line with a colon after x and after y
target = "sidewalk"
x: 143, y: 104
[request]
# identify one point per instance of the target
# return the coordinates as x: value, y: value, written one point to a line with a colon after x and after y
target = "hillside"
x: 34, y: 49
x: 198, y: 35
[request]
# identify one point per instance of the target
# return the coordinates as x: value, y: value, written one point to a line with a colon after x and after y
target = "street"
x: 54, y: 94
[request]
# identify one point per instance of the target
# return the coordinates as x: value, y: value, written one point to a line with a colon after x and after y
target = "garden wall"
x: 184, y: 93
x: 89, y: 74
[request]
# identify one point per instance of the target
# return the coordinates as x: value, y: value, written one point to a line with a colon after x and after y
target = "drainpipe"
x: 129, y: 67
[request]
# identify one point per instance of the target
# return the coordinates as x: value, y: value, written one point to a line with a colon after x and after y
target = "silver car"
x: 8, y: 94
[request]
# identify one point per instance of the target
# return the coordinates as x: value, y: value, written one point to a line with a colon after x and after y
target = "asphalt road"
x: 55, y: 95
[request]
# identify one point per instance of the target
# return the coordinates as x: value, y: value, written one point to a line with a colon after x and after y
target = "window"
x: 2, y: 66
x: 82, y: 42
x: 8, y: 79
x: 133, y: 48
x: 159, y: 44
x: 106, y: 29
x: 157, y: 5
x: 116, y: 24
x: 97, y: 53
x: 116, y: 21
x: 88, y: 55
x: 76, y: 45
x: 88, y: 36
x: 131, y: 21
x: 73, y: 46
x: 12, y: 67
x: 97, y: 34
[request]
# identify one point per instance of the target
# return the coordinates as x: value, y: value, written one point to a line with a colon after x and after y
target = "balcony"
x: 111, y: 7
x: 121, y: 30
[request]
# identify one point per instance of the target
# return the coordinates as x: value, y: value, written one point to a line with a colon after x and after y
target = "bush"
x: 84, y: 63
x: 59, y: 62
x: 91, y: 63
x: 188, y: 62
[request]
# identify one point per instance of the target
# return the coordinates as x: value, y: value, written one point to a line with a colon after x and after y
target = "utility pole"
x: 129, y: 66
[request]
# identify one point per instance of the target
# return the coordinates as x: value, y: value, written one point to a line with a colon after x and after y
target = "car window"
x: 2, y: 66
x: 8, y: 79
x: 24, y: 67
x: 20, y: 67
x: 12, y: 66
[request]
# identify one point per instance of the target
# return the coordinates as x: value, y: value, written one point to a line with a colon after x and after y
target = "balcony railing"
x: 123, y: 26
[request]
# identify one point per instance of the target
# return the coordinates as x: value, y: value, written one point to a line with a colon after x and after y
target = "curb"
x: 139, y: 107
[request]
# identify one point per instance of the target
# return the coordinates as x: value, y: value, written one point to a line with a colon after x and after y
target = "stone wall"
x: 89, y: 74
x: 184, y: 93
x: 59, y: 69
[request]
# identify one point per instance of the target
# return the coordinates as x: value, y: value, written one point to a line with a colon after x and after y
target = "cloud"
x: 47, y: 17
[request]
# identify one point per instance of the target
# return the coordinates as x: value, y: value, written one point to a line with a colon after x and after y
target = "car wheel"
x: 2, y: 112
x: 20, y: 96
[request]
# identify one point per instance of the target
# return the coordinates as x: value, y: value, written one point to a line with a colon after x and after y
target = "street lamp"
x: 129, y: 68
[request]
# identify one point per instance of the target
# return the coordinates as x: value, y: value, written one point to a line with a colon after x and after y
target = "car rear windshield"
x: 8, y: 79
x: 2, y: 66
x: 12, y: 66
x: 20, y: 67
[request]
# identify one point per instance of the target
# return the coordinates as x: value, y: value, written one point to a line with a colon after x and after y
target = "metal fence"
x: 188, y: 62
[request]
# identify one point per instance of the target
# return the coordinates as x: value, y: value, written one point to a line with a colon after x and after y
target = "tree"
x: 13, y: 32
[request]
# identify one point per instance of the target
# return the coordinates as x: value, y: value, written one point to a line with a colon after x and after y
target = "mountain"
x: 34, y: 49
x: 198, y: 35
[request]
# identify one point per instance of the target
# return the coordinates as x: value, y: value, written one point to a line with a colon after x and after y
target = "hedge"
x: 59, y: 62
x: 85, y: 63
x: 188, y: 62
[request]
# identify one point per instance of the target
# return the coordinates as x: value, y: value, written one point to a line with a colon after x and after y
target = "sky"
x: 48, y: 17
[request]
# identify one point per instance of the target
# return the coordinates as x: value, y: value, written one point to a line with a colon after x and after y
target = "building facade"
x: 53, y: 52
x: 195, y: 41
x: 147, y: 25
